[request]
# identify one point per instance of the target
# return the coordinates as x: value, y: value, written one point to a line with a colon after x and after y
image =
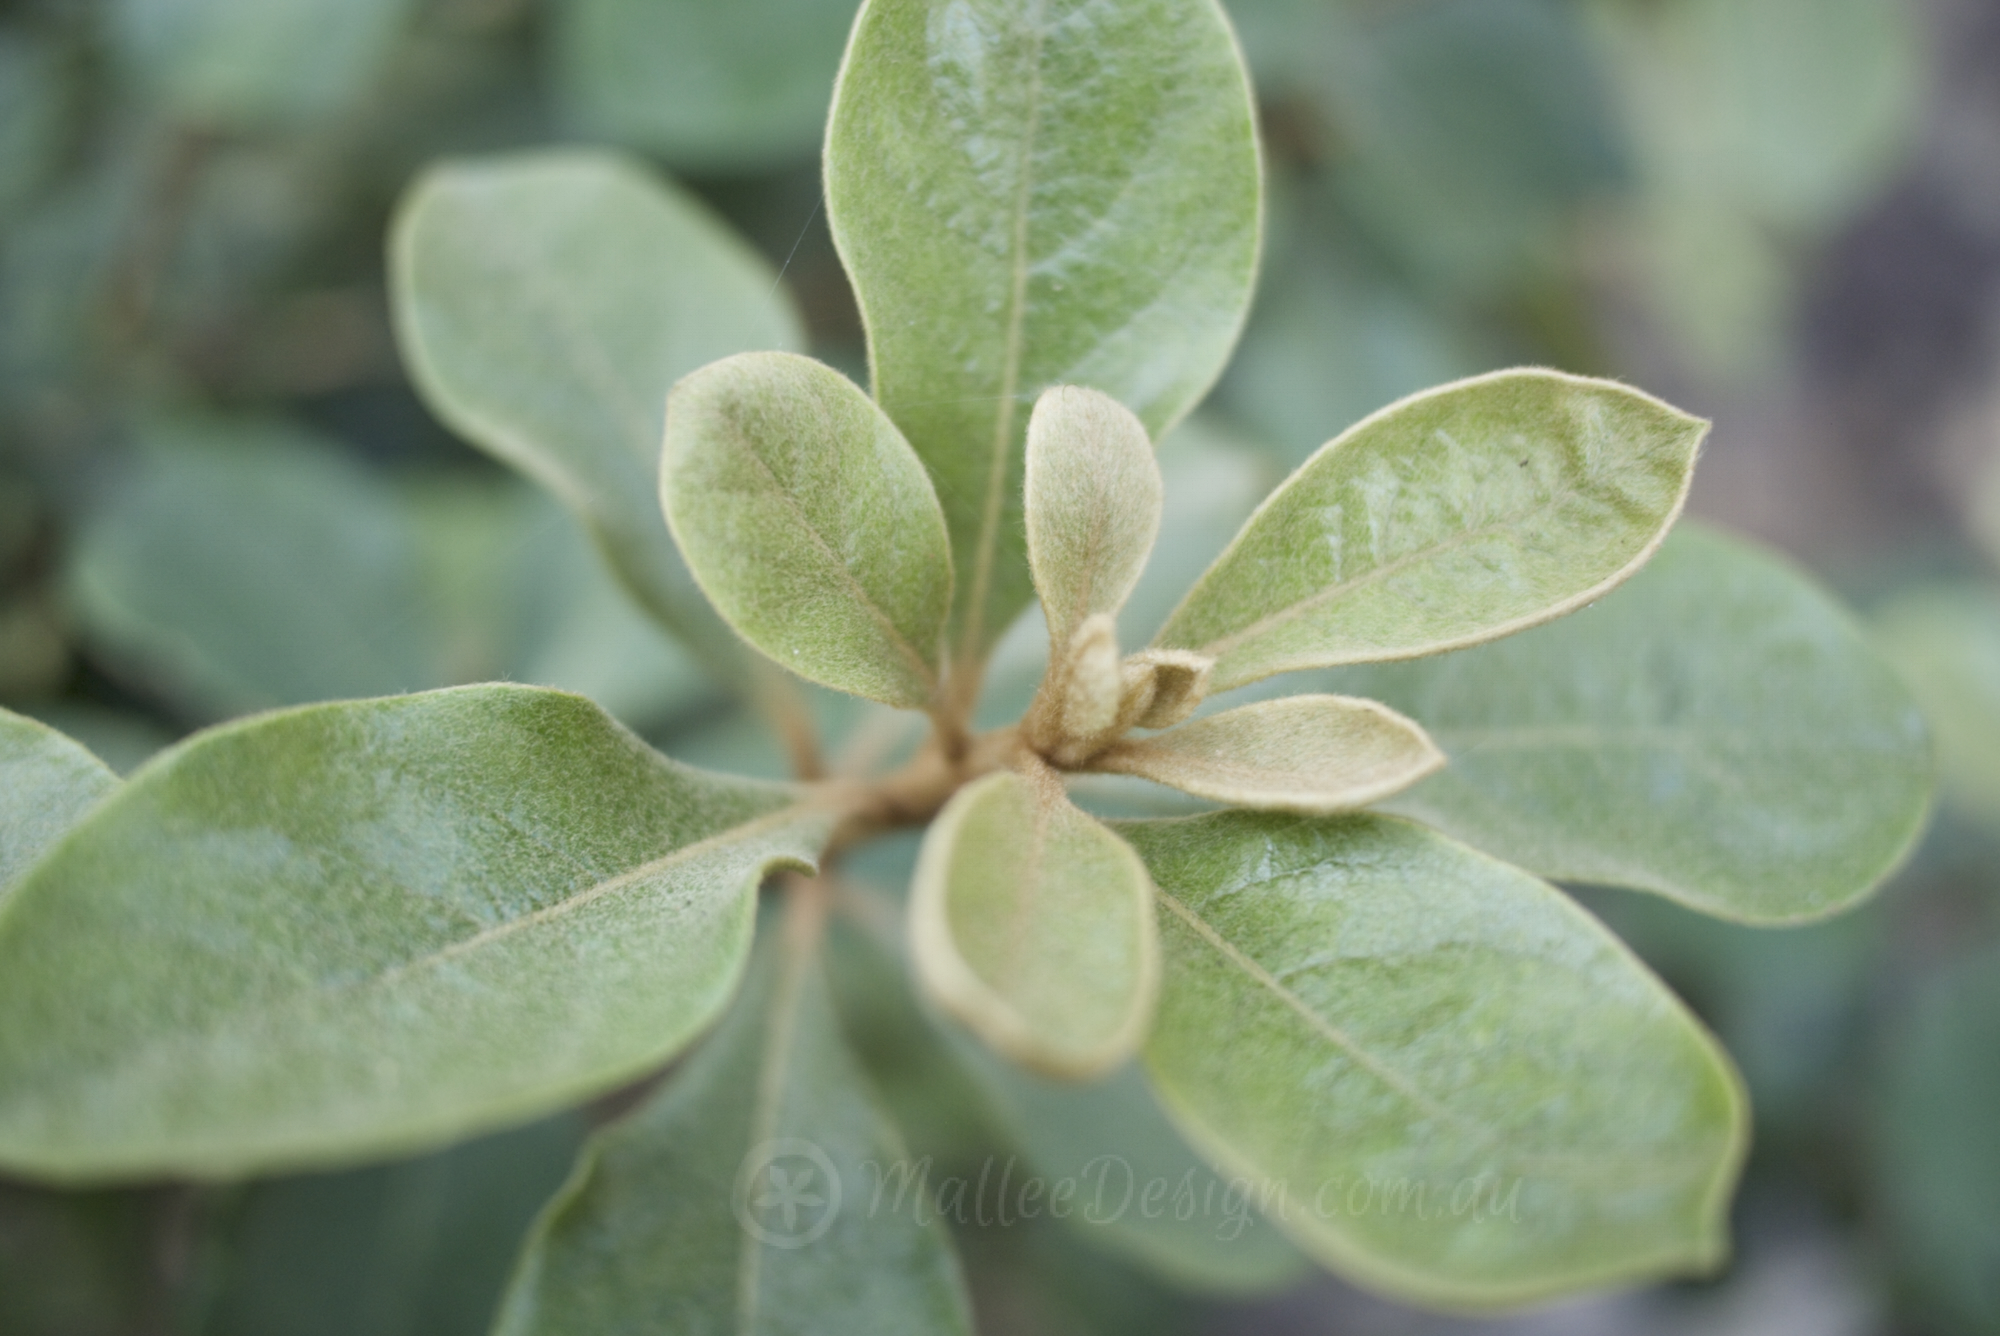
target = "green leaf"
x: 1027, y: 195
x: 1718, y: 732
x: 1440, y: 1076
x: 47, y: 784
x: 725, y: 87
x: 1140, y: 1191
x: 810, y: 524
x: 1457, y: 515
x: 255, y: 64
x: 34, y: 107
x: 1033, y: 924
x: 1937, y: 1162
x: 420, y: 1247
x: 1310, y: 754
x: 756, y: 1192
x: 245, y: 565
x: 357, y: 929
x: 1945, y: 641
x: 1093, y: 502
x: 545, y: 303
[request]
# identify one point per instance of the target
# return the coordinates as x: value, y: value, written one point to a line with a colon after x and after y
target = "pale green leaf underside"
x: 1717, y: 731
x: 1470, y: 1092
x: 810, y: 523
x: 1140, y: 1191
x: 677, y: 1218
x: 354, y: 929
x: 1057, y: 192
x: 1093, y: 497
x: 1033, y: 923
x: 47, y: 784
x: 1452, y: 517
x: 546, y: 302
x: 1308, y: 754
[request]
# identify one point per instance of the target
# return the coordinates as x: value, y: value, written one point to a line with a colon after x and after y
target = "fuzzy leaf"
x: 1452, y: 1084
x: 1033, y: 924
x: 350, y: 930
x: 755, y: 1193
x: 1093, y: 505
x: 1455, y: 516
x: 1718, y: 732
x: 47, y: 784
x: 1310, y: 754
x: 809, y: 523
x: 1028, y: 195
x: 545, y: 303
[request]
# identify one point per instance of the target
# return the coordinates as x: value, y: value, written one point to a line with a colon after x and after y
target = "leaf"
x: 1093, y: 501
x: 1033, y: 924
x: 47, y: 784
x: 759, y: 1191
x: 809, y: 523
x: 1140, y: 1191
x: 360, y: 929
x: 420, y: 1247
x: 1718, y: 732
x: 1437, y: 1074
x: 1457, y: 515
x: 1937, y: 1164
x: 1944, y: 640
x: 1310, y: 754
x: 545, y: 303
x: 256, y: 64
x: 721, y: 87
x: 34, y: 111
x: 250, y: 564
x: 1036, y: 194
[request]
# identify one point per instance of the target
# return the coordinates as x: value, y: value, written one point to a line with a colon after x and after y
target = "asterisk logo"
x: 788, y: 1194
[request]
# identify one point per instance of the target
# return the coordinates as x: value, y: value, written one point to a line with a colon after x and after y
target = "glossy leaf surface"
x: 1033, y: 924
x: 354, y: 929
x: 1718, y: 731
x: 47, y: 784
x: 1465, y: 1090
x: 546, y: 302
x: 1028, y: 195
x: 756, y: 1192
x: 1455, y: 516
x: 810, y: 523
x: 1310, y: 754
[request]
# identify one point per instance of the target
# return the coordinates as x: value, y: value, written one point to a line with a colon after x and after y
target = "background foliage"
x: 218, y: 494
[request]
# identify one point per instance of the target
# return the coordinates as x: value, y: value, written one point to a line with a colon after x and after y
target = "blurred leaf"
x: 1033, y: 924
x: 1442, y: 1078
x: 33, y: 108
x: 1329, y: 343
x: 810, y: 524
x: 123, y: 739
x: 418, y: 1248
x: 47, y: 784
x: 545, y: 303
x: 358, y: 929
x: 1945, y: 640
x: 1031, y: 196
x: 77, y: 1263
x: 721, y: 87
x: 1938, y: 1160
x: 1310, y: 754
x: 248, y: 565
x: 1143, y: 1193
x: 257, y: 64
x: 1455, y: 516
x: 747, y: 1195
x: 1718, y: 732
x: 1092, y: 504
